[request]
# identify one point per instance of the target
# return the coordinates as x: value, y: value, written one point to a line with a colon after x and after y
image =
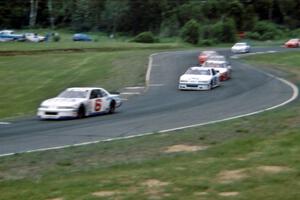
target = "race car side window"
x: 103, y: 93
x: 213, y: 72
x: 93, y: 94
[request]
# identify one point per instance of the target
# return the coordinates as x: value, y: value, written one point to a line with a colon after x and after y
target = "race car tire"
x: 112, y: 107
x: 81, y: 112
x: 210, y: 85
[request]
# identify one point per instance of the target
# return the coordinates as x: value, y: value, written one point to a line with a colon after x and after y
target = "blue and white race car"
x: 79, y: 102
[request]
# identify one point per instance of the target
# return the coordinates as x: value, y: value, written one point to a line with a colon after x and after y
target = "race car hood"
x: 63, y: 102
x: 189, y: 77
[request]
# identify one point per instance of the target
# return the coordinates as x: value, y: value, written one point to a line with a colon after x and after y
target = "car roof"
x: 216, y: 61
x: 81, y: 34
x: 241, y: 43
x: 6, y: 31
x: 217, y: 57
x: 209, y: 52
x: 195, y: 67
x: 200, y: 68
x: 83, y: 88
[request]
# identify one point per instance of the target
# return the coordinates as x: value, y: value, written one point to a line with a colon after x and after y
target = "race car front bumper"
x: 240, y: 50
x: 56, y: 113
x: 193, y: 86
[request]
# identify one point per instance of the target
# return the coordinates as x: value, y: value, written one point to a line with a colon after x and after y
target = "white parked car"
x: 241, y: 47
x: 79, y: 102
x: 199, y: 78
x: 33, y: 37
x: 222, y: 67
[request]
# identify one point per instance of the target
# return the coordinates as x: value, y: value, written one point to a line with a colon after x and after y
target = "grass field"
x: 255, y: 157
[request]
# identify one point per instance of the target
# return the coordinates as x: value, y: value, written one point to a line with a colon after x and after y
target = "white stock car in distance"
x: 79, y: 102
x: 199, y: 78
x: 241, y: 47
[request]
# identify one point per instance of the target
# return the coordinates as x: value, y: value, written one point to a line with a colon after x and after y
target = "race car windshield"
x: 73, y: 94
x: 217, y: 58
x: 198, y: 72
x: 213, y: 65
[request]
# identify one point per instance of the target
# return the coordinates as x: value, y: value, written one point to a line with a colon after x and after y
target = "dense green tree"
x: 191, y: 32
x: 14, y: 14
x: 82, y: 17
x: 114, y: 12
x: 237, y: 12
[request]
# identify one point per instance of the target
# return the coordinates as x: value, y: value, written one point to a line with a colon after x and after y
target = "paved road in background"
x: 161, y: 107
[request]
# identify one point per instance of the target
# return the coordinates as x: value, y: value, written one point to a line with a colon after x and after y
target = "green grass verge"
x: 255, y: 157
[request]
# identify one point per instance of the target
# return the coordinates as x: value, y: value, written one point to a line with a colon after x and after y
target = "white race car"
x: 78, y: 103
x: 241, y: 47
x: 199, y: 78
x: 220, y: 66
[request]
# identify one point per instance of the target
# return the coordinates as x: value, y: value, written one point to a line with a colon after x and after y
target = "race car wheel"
x: 81, y: 112
x: 210, y: 85
x: 112, y: 107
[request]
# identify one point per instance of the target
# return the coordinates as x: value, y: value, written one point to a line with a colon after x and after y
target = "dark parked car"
x: 81, y: 37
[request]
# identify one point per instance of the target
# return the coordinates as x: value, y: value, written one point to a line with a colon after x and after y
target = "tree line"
x: 165, y: 17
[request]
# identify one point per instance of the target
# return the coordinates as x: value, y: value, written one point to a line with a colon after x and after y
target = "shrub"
x: 56, y: 37
x: 190, y: 32
x: 144, y: 37
x: 224, y: 31
x: 207, y: 42
x: 228, y: 31
x: 295, y: 33
x: 253, y: 35
x: 169, y: 27
x: 266, y: 30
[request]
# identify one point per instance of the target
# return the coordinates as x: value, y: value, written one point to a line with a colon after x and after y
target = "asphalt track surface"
x: 161, y: 107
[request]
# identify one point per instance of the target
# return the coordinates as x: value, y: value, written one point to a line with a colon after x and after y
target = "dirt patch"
x: 155, y: 189
x: 273, y: 169
x: 241, y: 159
x: 229, y: 194
x: 105, y: 193
x: 154, y: 183
x: 229, y: 176
x: 200, y: 193
x: 184, y: 148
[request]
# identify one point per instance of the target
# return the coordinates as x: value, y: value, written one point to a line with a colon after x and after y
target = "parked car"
x: 33, y: 37
x: 292, y: 43
x: 241, y: 47
x: 81, y: 37
x: 79, y: 102
x: 9, y: 35
x: 199, y: 78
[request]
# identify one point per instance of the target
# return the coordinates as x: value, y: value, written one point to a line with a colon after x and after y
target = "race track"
x: 161, y: 107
